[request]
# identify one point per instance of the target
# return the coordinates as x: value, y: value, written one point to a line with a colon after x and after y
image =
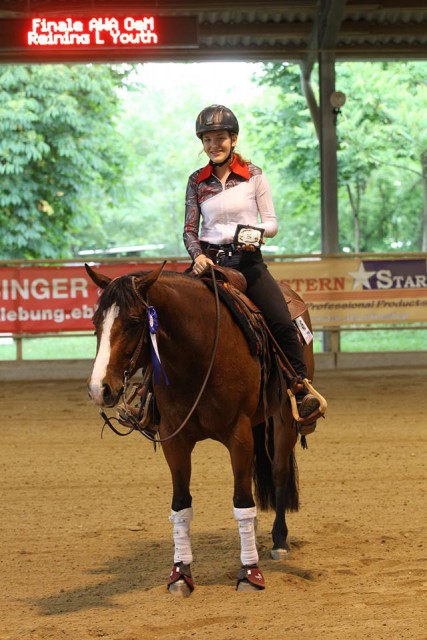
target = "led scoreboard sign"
x: 95, y: 33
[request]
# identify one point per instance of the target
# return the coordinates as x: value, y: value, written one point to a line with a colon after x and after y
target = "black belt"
x: 218, y: 247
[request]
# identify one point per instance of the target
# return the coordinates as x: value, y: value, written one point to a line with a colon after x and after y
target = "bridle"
x: 132, y: 423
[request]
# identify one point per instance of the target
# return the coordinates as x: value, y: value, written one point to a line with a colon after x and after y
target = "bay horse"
x: 229, y: 409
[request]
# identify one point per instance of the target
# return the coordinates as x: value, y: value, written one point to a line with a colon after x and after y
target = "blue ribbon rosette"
x: 153, y: 324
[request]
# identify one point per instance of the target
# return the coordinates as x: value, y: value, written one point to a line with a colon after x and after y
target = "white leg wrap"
x: 181, y: 535
x: 246, y: 520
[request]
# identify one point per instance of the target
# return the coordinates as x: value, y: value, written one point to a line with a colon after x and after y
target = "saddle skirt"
x: 245, y: 312
x: 237, y: 280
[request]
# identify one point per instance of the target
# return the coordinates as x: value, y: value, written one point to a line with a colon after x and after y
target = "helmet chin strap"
x: 221, y: 164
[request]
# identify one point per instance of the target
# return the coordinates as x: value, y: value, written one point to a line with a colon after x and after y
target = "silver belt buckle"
x: 248, y: 235
x: 219, y: 255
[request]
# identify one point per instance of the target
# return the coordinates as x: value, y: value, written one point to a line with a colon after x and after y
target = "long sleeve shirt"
x: 213, y: 209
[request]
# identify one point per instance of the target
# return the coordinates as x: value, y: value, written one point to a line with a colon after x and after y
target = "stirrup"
x: 312, y: 417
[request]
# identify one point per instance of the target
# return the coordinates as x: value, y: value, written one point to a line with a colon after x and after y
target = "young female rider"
x: 226, y: 192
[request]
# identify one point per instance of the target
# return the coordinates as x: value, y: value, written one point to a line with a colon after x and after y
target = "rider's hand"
x: 201, y: 263
x: 248, y: 247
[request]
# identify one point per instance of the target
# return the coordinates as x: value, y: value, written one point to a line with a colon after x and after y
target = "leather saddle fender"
x: 237, y: 280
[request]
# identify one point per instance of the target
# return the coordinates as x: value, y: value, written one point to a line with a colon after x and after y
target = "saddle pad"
x: 236, y: 279
x: 232, y: 296
x: 295, y: 304
x: 238, y: 315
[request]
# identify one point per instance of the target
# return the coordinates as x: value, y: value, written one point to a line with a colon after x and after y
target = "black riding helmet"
x: 216, y: 118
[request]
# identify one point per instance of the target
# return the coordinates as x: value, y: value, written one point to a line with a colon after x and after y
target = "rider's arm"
x: 192, y: 219
x: 265, y: 205
x: 191, y: 227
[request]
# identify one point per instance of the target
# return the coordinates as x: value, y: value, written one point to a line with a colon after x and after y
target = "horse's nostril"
x: 109, y: 397
x: 106, y: 392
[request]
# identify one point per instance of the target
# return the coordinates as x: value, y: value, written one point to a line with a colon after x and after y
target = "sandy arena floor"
x: 86, y: 542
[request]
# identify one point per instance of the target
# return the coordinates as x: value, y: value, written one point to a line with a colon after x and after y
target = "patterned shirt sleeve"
x: 265, y: 204
x: 192, y: 218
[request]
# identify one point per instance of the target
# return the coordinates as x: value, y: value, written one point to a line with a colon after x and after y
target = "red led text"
x: 92, y: 32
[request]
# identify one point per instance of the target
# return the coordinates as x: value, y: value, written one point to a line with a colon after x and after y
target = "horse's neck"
x: 177, y: 303
x: 182, y: 323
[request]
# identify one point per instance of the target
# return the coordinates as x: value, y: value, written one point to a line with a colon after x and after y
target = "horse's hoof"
x: 244, y: 585
x: 180, y: 589
x: 281, y: 554
x: 250, y: 578
x: 180, y: 581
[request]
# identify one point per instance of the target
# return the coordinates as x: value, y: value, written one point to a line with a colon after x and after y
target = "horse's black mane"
x: 120, y: 291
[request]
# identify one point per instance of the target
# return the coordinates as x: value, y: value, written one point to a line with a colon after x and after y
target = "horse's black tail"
x: 265, y: 494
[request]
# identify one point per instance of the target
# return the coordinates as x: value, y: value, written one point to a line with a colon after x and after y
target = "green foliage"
x: 284, y: 131
x: 90, y: 158
x: 382, y: 136
x: 157, y: 136
x: 58, y: 149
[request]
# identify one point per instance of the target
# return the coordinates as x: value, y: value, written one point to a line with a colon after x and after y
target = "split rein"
x: 134, y: 424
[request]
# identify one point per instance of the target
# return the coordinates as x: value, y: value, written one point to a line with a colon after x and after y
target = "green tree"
x: 381, y: 150
x: 382, y: 139
x: 158, y: 138
x: 58, y: 149
x: 284, y: 131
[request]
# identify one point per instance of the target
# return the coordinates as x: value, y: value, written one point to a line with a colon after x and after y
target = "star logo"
x: 361, y: 277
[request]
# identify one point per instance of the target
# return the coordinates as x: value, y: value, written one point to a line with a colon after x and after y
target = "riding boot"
x: 307, y: 403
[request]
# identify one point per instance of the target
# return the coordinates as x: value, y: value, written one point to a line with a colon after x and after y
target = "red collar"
x: 235, y: 167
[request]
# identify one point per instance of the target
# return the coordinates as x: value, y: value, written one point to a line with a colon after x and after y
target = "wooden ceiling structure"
x: 262, y: 30
x: 305, y: 32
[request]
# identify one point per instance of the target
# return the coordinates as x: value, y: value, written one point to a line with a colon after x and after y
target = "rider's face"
x: 217, y: 144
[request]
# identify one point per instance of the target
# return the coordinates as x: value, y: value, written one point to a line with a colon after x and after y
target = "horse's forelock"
x: 119, y: 292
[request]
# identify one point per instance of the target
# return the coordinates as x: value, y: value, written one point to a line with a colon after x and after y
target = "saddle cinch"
x: 231, y: 290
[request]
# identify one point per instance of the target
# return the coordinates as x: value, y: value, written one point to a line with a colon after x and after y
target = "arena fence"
x: 344, y: 293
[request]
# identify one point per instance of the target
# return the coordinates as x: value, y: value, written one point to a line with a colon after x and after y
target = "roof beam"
x: 325, y: 30
x: 217, y: 54
x: 174, y: 7
x: 364, y: 28
x: 287, y: 29
x: 271, y: 28
x: 390, y: 5
x: 330, y: 18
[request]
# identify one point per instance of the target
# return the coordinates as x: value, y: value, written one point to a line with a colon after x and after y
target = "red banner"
x: 344, y: 291
x: 54, y: 299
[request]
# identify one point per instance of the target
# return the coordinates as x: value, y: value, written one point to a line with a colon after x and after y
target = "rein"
x: 132, y: 422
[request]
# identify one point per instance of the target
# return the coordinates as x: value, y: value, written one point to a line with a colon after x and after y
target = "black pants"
x: 268, y: 297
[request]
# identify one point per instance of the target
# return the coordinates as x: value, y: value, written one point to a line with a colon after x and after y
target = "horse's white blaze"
x: 103, y: 355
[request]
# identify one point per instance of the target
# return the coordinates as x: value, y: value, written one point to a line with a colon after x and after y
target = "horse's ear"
x: 144, y: 282
x: 100, y: 280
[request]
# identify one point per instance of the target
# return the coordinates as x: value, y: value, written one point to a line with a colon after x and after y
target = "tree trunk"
x: 424, y: 214
x: 355, y: 207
